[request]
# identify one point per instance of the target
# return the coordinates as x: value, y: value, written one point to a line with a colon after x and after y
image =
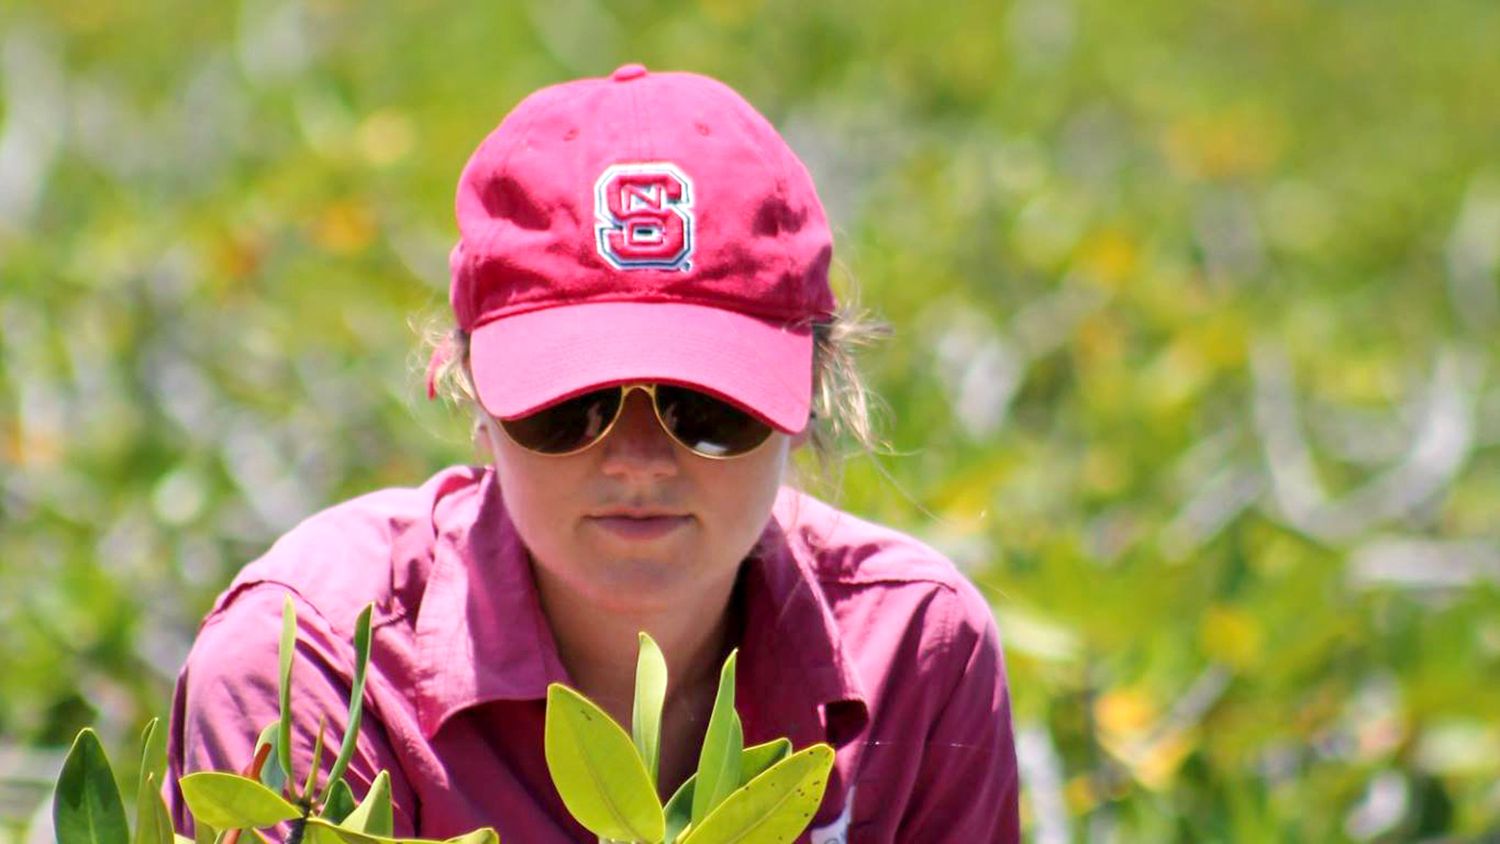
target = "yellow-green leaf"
x: 478, y: 836
x: 597, y: 771
x: 317, y: 762
x: 230, y: 801
x: 287, y: 649
x: 356, y: 701
x: 650, y: 696
x: 754, y: 761
x: 773, y: 808
x: 719, y: 759
x: 374, y: 814
x: 319, y: 831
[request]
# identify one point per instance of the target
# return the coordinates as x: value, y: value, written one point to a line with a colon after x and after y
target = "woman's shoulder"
x: 846, y: 548
x: 866, y: 566
x: 371, y: 548
x: 911, y: 628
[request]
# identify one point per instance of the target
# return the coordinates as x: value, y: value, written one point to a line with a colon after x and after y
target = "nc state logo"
x: 644, y: 216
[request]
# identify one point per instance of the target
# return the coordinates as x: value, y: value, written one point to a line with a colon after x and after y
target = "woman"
x: 643, y: 320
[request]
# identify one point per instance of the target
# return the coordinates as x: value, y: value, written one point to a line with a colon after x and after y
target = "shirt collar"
x: 481, y: 635
x: 792, y: 652
x: 480, y: 632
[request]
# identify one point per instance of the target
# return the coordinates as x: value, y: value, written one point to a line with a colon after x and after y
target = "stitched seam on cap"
x: 644, y: 152
x: 524, y: 132
x: 724, y: 303
x: 752, y: 120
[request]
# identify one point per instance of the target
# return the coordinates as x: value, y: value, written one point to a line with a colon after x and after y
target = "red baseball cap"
x: 640, y: 227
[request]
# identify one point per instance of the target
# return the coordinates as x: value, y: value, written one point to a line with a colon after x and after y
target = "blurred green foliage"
x: 1194, y: 366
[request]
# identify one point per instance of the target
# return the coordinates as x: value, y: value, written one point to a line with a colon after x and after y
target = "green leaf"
x: 719, y: 760
x: 374, y: 814
x: 356, y: 700
x: 86, y: 806
x: 320, y: 831
x: 756, y: 760
x: 288, y: 645
x: 340, y: 802
x: 230, y: 801
x: 650, y: 696
x: 271, y: 774
x: 153, y: 824
x: 773, y: 808
x: 317, y: 762
x: 153, y: 751
x: 679, y: 810
x: 203, y: 833
x: 753, y: 762
x: 597, y: 771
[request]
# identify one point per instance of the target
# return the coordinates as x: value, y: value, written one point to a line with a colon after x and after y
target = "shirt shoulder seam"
x: 838, y: 579
x: 397, y: 614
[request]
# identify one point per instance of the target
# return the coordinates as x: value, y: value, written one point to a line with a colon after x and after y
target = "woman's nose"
x: 637, y: 444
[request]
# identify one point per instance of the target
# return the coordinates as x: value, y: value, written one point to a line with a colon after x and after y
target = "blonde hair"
x: 841, y: 400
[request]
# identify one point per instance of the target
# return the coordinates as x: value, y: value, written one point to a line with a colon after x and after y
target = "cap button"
x: 627, y: 72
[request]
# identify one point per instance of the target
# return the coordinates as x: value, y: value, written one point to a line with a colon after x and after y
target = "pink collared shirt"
x: 853, y: 633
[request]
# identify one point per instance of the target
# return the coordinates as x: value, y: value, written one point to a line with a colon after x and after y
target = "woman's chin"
x: 640, y: 585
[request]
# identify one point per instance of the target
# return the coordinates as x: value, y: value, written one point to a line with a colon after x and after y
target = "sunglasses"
x: 704, y: 425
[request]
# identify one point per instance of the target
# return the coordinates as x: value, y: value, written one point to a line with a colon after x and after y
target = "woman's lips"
x: 651, y: 527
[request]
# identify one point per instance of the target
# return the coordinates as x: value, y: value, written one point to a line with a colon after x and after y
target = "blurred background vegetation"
x: 1194, y: 371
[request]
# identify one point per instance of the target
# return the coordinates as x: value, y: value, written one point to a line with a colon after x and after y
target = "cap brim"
x: 524, y: 362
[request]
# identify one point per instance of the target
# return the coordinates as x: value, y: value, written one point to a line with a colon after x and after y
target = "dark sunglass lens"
x: 708, y: 425
x: 566, y: 426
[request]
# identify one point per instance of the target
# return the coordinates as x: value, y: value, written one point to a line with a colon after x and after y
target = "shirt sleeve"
x: 227, y: 692
x: 968, y: 788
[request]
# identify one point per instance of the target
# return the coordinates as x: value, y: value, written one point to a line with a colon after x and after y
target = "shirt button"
x: 627, y: 72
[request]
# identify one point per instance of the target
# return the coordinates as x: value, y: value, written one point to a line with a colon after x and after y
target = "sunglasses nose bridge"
x: 627, y: 389
x: 644, y: 421
x: 651, y: 399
